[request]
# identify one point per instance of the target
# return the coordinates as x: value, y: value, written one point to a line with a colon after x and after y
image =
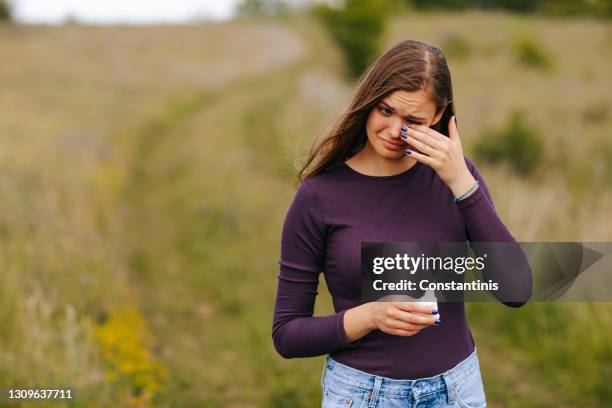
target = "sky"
x: 121, y: 11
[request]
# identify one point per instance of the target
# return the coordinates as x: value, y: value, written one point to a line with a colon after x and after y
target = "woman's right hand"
x: 397, y: 318
x: 402, y: 318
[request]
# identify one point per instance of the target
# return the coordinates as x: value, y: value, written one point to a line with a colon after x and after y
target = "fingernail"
x: 403, y: 136
x: 437, y: 322
x: 404, y: 128
x: 434, y: 312
x: 408, y: 151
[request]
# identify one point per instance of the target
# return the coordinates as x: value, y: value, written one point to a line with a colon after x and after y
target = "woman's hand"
x: 402, y: 318
x: 397, y: 318
x: 441, y: 153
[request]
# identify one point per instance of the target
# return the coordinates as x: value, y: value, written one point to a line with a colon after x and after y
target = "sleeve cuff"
x: 342, y: 333
x: 472, y: 199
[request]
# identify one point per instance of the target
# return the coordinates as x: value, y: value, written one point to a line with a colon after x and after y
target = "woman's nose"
x: 396, y: 127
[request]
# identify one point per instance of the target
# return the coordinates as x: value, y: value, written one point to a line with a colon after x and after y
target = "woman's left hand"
x: 441, y: 153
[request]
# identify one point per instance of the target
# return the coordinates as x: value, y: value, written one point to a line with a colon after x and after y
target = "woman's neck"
x: 370, y: 163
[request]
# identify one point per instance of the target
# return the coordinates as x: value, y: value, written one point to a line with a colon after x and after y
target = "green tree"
x: 5, y: 11
x: 530, y: 53
x: 443, y: 4
x: 356, y: 28
x: 515, y: 144
x: 596, y: 8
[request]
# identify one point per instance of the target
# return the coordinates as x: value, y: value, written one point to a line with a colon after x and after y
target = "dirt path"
x: 201, y: 205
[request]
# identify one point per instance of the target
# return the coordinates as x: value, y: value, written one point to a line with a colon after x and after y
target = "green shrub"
x: 516, y: 144
x: 356, y: 28
x: 529, y: 53
x: 596, y: 112
x: 456, y: 46
x: 262, y: 8
x: 598, y: 8
x: 5, y: 11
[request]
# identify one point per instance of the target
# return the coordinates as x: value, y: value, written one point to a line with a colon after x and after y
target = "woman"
x: 392, y: 169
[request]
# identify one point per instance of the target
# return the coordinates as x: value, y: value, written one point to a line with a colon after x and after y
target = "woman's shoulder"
x: 314, y: 191
x: 327, y: 178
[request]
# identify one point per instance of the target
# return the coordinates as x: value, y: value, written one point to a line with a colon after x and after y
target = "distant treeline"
x: 601, y: 8
x: 595, y: 8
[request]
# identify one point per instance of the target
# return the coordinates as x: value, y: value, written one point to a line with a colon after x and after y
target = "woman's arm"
x: 296, y: 332
x: 483, y: 226
x: 484, y: 229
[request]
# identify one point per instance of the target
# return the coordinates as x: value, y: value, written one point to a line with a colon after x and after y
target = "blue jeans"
x: 459, y: 387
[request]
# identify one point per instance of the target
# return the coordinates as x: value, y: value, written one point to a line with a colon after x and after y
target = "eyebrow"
x: 406, y: 117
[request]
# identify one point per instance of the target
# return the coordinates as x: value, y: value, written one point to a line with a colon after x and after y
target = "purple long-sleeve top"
x: 331, y: 214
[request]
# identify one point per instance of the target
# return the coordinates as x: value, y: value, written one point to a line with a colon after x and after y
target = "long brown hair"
x: 409, y: 66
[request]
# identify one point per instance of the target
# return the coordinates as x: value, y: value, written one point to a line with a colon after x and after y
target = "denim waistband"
x: 383, y: 385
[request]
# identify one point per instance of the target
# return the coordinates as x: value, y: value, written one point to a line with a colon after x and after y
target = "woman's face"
x: 387, y: 118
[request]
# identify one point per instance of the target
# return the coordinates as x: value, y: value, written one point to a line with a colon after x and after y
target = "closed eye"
x: 388, y: 112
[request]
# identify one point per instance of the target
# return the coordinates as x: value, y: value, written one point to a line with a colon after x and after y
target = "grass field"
x: 146, y: 173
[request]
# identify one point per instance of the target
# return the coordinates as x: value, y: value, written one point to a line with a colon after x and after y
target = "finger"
x: 399, y: 332
x: 416, y: 307
x: 423, y: 137
x: 434, y: 134
x: 420, y: 157
x: 453, y: 132
x: 398, y: 324
x: 420, y: 146
x: 415, y: 317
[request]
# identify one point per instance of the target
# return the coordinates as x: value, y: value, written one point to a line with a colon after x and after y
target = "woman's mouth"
x: 392, y: 145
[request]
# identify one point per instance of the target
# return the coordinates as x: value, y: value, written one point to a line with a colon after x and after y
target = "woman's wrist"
x: 358, y: 322
x: 464, y: 184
